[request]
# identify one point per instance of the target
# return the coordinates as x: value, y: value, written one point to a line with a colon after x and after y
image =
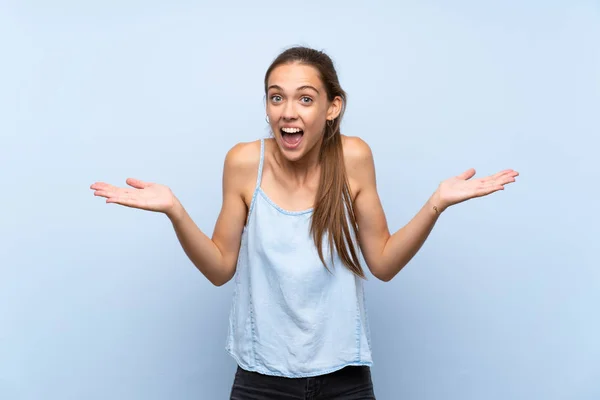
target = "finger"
x: 112, y: 191
x: 501, y: 178
x: 101, y: 185
x: 499, y: 174
x: 124, y: 200
x: 105, y: 187
x: 104, y: 193
x: 506, y: 180
x: 468, y: 174
x: 136, y: 183
x: 495, y: 185
x: 484, y: 191
x: 507, y: 172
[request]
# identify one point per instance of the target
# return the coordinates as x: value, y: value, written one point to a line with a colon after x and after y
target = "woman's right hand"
x: 142, y: 195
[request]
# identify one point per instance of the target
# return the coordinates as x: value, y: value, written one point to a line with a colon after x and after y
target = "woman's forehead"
x: 294, y: 76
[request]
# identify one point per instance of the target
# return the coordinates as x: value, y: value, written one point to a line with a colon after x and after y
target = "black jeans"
x: 349, y: 383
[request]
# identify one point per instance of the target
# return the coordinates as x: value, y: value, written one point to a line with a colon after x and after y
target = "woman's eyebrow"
x: 304, y: 87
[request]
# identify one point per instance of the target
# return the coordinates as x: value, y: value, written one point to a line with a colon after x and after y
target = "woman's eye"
x: 276, y: 98
x: 306, y: 99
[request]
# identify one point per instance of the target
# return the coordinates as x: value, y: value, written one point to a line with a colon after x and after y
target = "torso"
x: 291, y: 316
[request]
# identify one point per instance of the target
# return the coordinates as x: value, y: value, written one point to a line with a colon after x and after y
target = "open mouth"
x: 291, y: 136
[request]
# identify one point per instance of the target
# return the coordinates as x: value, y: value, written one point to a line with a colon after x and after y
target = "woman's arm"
x: 386, y: 254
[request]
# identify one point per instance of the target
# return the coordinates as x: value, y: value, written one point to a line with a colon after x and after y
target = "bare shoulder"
x: 356, y: 150
x: 243, y: 156
x: 358, y: 158
x: 360, y: 167
x: 241, y: 168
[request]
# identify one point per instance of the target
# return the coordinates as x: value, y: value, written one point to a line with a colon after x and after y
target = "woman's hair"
x: 333, y: 212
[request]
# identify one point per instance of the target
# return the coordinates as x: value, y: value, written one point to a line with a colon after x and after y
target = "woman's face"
x: 298, y: 109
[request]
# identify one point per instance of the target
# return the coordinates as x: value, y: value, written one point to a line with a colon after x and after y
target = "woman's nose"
x: 289, y: 111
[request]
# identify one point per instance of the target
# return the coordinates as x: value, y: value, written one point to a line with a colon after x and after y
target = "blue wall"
x: 99, y: 302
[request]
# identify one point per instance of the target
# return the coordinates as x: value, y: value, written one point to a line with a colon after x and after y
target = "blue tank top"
x: 290, y: 316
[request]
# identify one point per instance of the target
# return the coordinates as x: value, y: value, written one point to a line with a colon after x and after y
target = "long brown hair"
x: 333, y: 213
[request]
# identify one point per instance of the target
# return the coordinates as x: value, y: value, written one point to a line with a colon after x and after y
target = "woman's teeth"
x: 291, y: 130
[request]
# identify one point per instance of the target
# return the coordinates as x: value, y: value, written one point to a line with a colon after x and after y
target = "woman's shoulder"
x: 243, y: 156
x: 241, y: 169
x: 360, y: 167
x: 357, y: 152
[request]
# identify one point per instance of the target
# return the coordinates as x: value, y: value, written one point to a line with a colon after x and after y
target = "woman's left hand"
x: 460, y: 188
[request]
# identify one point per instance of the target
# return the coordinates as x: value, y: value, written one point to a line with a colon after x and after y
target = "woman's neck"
x: 303, y: 171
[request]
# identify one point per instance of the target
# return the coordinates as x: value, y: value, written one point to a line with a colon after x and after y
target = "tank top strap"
x: 258, y: 179
x: 261, y: 163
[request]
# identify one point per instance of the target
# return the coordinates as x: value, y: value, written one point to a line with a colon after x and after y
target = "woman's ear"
x: 335, y: 108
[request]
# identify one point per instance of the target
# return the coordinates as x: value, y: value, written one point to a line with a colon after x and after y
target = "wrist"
x: 436, y: 204
x: 176, y: 211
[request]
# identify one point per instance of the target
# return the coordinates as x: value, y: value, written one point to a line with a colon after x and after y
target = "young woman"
x: 299, y: 209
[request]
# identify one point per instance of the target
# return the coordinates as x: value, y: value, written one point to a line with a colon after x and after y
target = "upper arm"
x: 240, y: 164
x: 373, y: 231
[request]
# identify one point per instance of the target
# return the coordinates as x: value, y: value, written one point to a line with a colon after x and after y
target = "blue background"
x: 99, y: 302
